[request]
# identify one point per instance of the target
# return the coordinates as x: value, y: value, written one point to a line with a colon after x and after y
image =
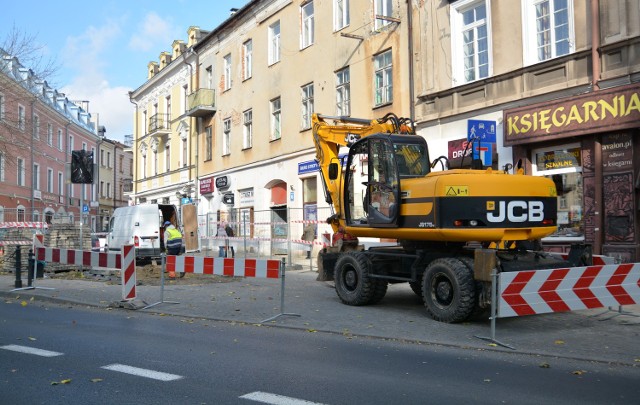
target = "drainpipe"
x: 134, y: 147
x: 412, y: 108
x: 595, y: 43
x: 33, y: 134
x: 198, y: 120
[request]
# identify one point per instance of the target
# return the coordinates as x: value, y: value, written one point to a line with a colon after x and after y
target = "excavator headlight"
x: 473, y: 222
x: 458, y: 222
x: 548, y: 222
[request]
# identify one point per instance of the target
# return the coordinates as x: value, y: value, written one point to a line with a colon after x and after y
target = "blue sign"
x: 483, y: 151
x: 485, y: 131
x: 185, y: 200
x: 85, y: 208
x: 311, y: 166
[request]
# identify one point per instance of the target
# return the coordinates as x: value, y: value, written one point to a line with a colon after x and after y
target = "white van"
x: 140, y: 225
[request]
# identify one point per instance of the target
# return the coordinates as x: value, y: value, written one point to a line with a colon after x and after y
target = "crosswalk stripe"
x: 275, y: 399
x: 31, y: 350
x: 142, y: 372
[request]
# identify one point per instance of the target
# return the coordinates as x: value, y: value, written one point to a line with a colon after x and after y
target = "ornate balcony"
x: 159, y: 124
x: 202, y: 103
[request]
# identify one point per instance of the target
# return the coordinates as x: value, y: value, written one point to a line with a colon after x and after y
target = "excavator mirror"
x: 333, y: 171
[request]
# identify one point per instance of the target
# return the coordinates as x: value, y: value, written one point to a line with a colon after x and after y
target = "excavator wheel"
x: 449, y: 290
x: 353, y: 284
x: 416, y: 286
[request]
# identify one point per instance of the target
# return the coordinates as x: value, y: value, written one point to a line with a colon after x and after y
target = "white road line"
x: 31, y: 350
x: 141, y: 372
x: 275, y: 399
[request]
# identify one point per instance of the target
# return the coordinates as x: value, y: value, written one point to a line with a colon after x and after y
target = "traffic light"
x: 81, y: 167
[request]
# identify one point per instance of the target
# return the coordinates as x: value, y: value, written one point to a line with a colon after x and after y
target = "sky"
x: 103, y: 47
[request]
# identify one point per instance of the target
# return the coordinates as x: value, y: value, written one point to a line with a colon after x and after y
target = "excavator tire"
x: 449, y: 290
x: 416, y: 286
x: 353, y: 284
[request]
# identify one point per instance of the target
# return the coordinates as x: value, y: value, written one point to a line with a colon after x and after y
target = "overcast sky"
x: 103, y: 47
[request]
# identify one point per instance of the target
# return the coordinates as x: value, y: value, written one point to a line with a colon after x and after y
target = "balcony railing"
x: 202, y: 103
x: 159, y: 123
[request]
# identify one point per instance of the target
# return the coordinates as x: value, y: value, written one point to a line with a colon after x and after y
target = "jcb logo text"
x: 515, y: 211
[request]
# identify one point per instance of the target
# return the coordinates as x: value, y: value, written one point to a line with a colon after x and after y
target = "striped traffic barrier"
x: 229, y: 267
x: 124, y: 261
x: 568, y: 289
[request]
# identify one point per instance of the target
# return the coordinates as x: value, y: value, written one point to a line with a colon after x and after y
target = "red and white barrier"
x: 261, y: 268
x: 125, y: 261
x: 569, y: 289
x: 38, y: 225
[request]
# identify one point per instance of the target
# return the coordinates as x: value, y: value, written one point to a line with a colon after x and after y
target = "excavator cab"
x: 376, y: 166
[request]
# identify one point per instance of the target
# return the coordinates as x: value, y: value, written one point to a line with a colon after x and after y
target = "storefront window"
x: 562, y: 164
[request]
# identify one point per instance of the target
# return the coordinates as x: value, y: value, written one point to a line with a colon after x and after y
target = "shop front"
x: 588, y: 145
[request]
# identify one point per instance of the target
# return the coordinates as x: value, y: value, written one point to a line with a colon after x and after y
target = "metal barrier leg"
x: 282, y: 313
x: 619, y: 312
x: 494, y: 312
x: 163, y: 258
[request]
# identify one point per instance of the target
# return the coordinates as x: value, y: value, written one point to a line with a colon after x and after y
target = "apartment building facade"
x: 39, y: 127
x: 554, y: 84
x: 258, y: 77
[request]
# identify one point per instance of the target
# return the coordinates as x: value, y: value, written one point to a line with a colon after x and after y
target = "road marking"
x: 141, y: 372
x: 31, y: 350
x: 275, y: 399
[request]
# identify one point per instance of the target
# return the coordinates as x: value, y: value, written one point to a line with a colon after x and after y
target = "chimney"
x: 232, y: 12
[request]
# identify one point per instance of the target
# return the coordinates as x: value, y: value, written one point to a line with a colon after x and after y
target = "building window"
x: 226, y: 136
x: 84, y: 146
x: 167, y: 159
x: 340, y: 14
x: 101, y: 157
x: 102, y: 189
x: 208, y: 143
x: 143, y: 168
x: 36, y: 177
x: 36, y: 127
x: 2, y: 166
x: 21, y: 118
x: 276, y: 124
x: 49, y: 134
x: 382, y: 8
x: 21, y: 172
x: 2, y: 102
x: 155, y: 162
x: 168, y: 101
x: 470, y: 40
x: 383, y: 78
x: 109, y: 159
x: 59, y: 139
x: 274, y: 43
x: 185, y: 153
x: 21, y: 215
x: 227, y: 72
x: 569, y: 188
x: 343, y: 98
x: 247, y: 133
x: 209, y: 77
x: 108, y: 190
x: 70, y: 143
x: 247, y: 55
x: 60, y: 183
x: 307, y: 105
x: 549, y: 31
x: 306, y: 25
x: 49, y: 180
x: 185, y: 98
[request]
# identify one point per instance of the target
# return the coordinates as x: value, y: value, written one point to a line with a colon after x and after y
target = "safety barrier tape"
x: 568, y: 289
x: 6, y: 225
x: 239, y: 238
x: 297, y: 221
x: 260, y: 268
x: 15, y: 242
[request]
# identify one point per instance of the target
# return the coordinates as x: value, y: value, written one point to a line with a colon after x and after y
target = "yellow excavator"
x: 442, y: 231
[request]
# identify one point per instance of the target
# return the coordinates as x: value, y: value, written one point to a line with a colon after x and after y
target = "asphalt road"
x: 108, y: 357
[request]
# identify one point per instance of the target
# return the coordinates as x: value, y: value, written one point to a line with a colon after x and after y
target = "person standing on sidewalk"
x: 229, y: 231
x: 222, y: 233
x: 309, y: 234
x: 172, y: 243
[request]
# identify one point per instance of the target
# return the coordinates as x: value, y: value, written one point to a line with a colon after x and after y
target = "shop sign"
x: 558, y: 159
x: 600, y: 111
x: 617, y: 152
x: 228, y: 199
x: 246, y: 197
x: 206, y: 185
x: 459, y: 147
x: 222, y: 182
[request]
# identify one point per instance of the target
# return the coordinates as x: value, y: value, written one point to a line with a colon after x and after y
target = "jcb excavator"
x: 449, y: 229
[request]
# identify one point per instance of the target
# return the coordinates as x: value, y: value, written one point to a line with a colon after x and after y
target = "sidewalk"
x: 595, y: 335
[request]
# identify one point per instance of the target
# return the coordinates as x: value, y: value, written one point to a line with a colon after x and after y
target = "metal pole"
x: 289, y: 235
x: 282, y: 313
x: 244, y: 234
x: 163, y: 258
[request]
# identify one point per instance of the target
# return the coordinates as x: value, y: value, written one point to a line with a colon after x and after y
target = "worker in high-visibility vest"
x: 172, y: 243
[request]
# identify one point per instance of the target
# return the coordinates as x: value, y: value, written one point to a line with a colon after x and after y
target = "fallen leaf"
x: 95, y: 380
x: 578, y: 372
x: 492, y: 344
x: 311, y: 330
x: 32, y: 298
x: 545, y: 365
x: 67, y: 381
x: 24, y: 303
x: 32, y: 338
x: 559, y: 342
x: 487, y: 380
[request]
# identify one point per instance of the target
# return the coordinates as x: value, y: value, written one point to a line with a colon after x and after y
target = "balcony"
x: 159, y: 124
x: 202, y: 103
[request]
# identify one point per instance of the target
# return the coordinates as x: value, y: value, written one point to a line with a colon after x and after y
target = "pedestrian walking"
x: 222, y: 233
x: 309, y: 234
x: 173, y: 243
x: 229, y: 231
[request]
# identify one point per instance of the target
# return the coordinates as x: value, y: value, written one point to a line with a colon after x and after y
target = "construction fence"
x: 268, y: 233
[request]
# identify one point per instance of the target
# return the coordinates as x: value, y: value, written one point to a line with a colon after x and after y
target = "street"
x: 64, y: 354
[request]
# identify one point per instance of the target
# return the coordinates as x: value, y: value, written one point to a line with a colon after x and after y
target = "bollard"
x: 30, y: 266
x: 18, y: 283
